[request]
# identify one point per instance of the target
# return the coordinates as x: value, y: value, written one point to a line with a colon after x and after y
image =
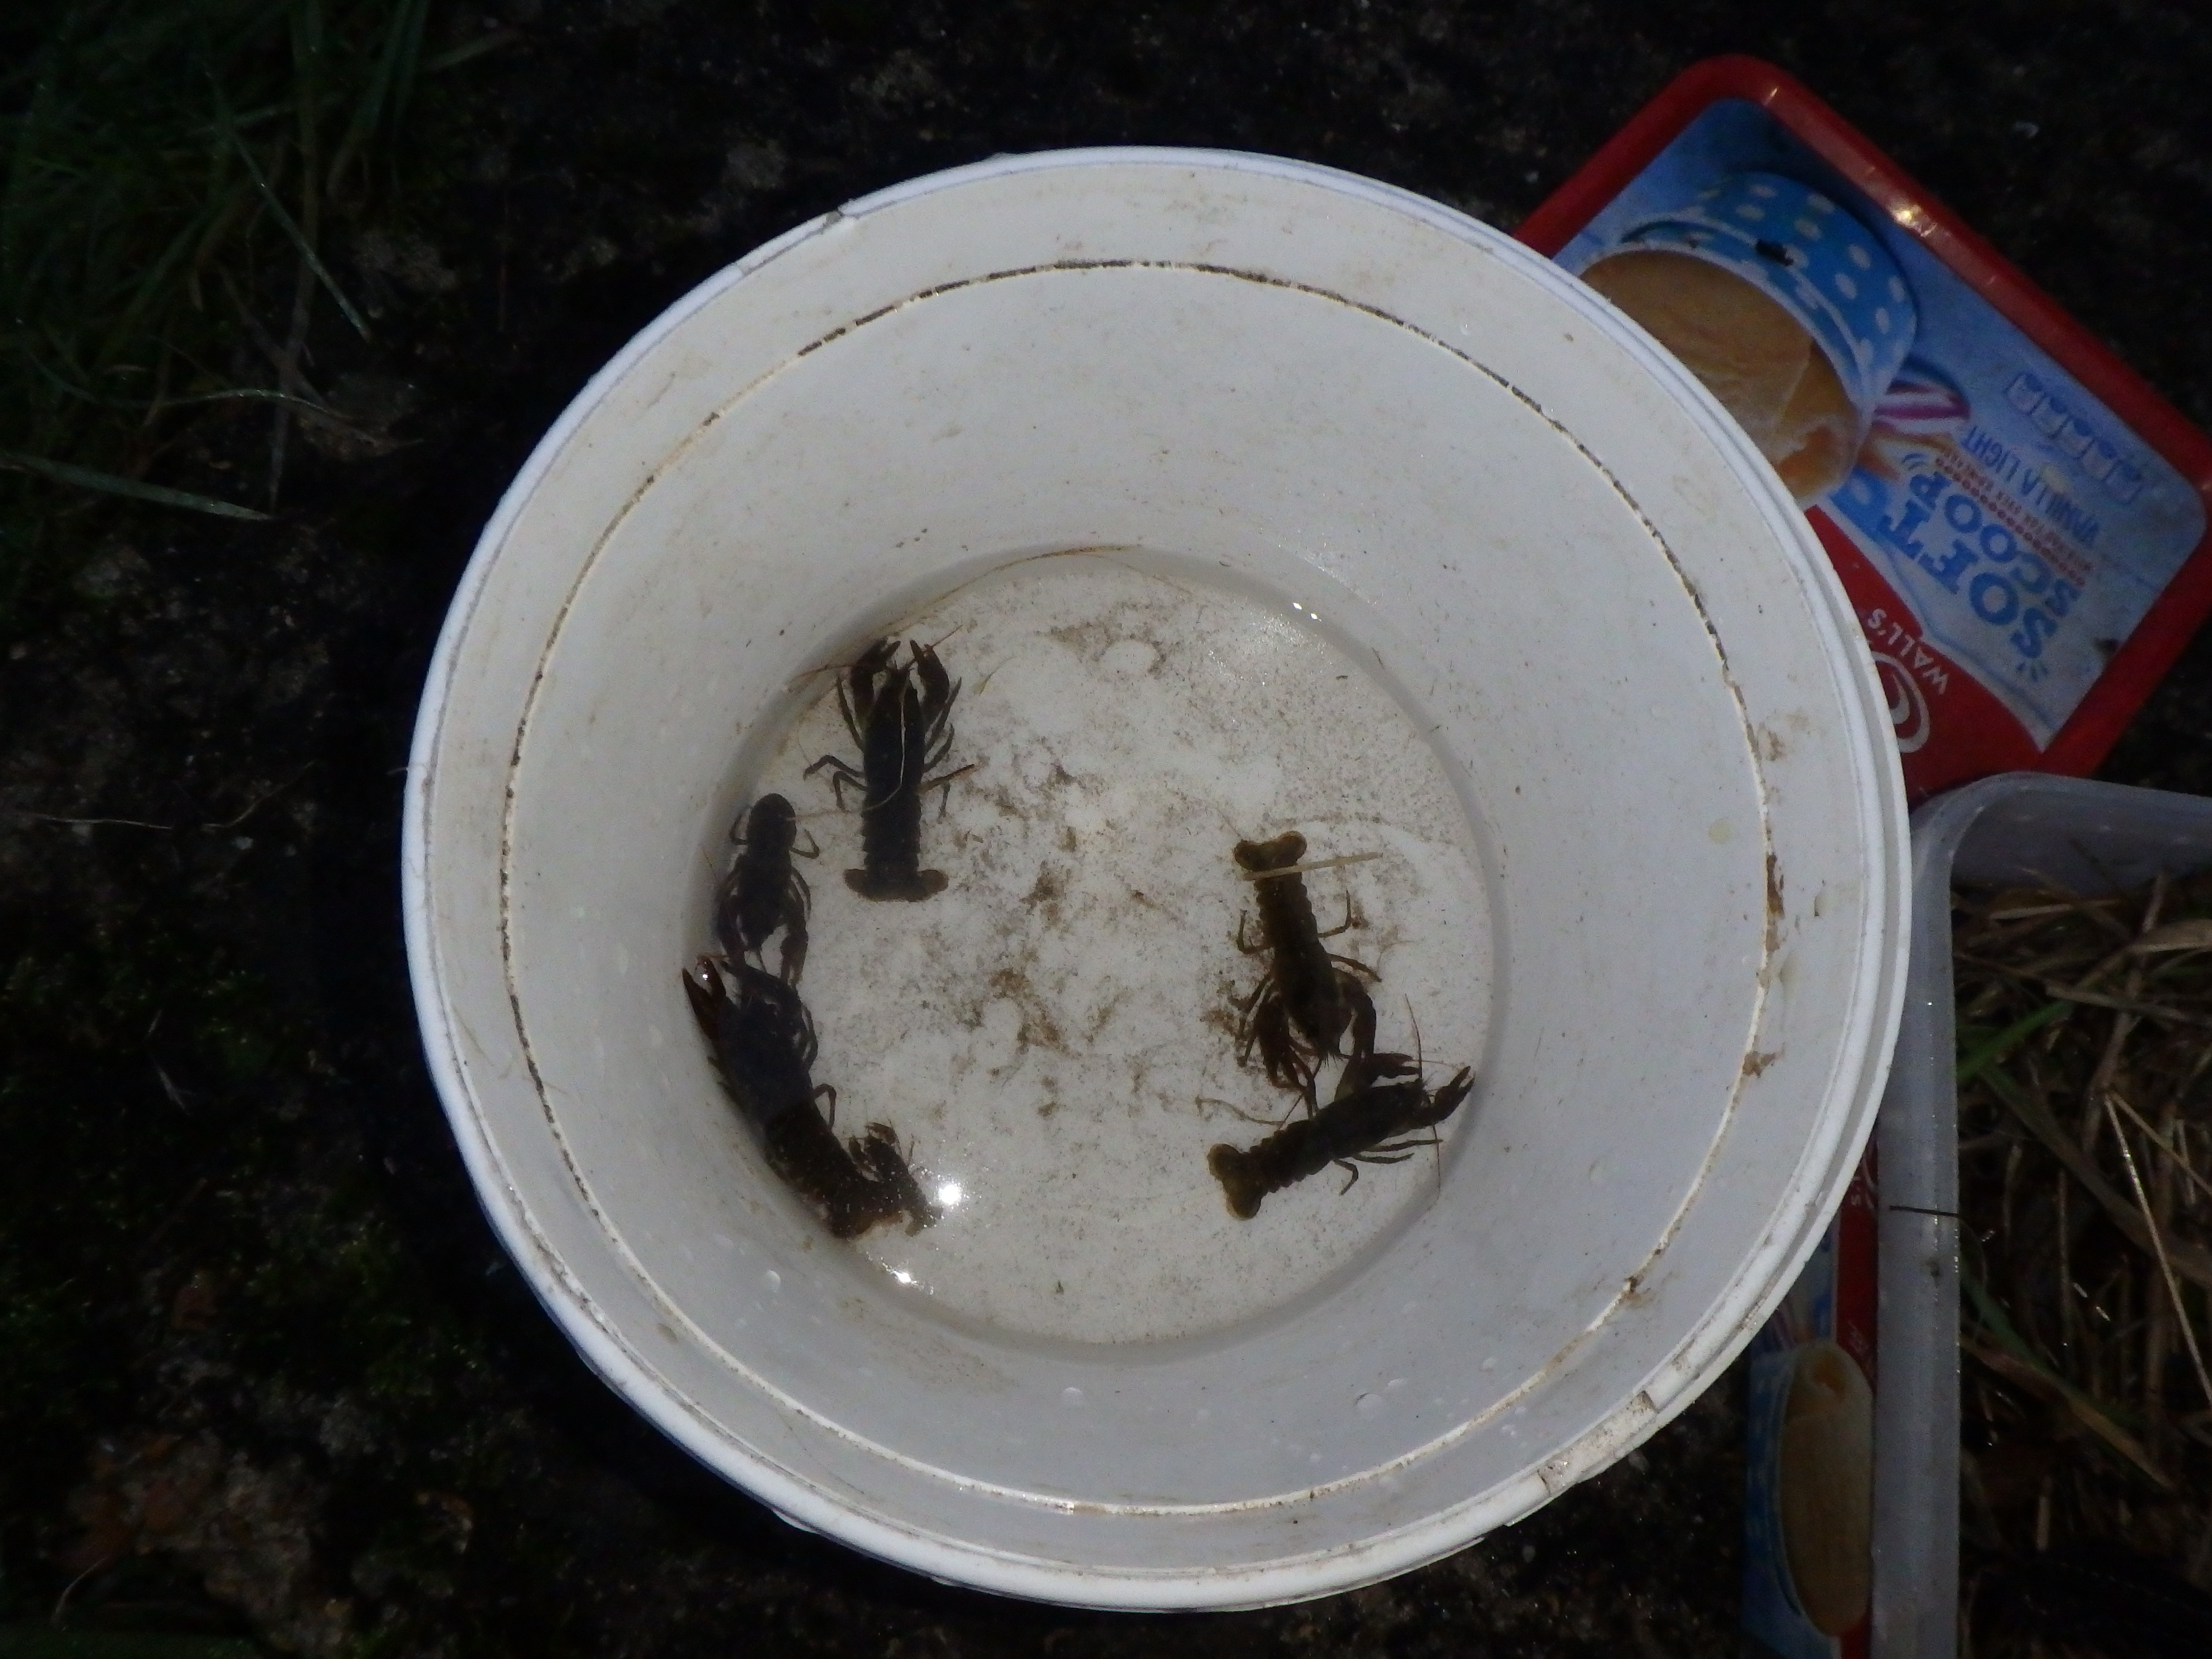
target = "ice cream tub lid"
x: 2019, y: 520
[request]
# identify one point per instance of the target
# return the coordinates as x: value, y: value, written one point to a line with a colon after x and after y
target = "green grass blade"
x: 151, y: 287
x: 417, y: 13
x: 42, y: 1641
x: 298, y: 238
x: 1994, y: 1321
x: 232, y: 394
x: 19, y: 160
x: 1971, y: 1065
x: 468, y: 50
x: 369, y: 109
x: 111, y: 483
x: 385, y: 99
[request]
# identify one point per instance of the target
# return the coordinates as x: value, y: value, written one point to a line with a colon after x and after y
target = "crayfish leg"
x: 1245, y: 1008
x: 845, y: 702
x: 1250, y: 1117
x: 790, y: 959
x: 841, y: 772
x: 945, y: 783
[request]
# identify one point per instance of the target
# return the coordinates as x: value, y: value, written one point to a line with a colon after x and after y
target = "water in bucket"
x: 1054, y: 1036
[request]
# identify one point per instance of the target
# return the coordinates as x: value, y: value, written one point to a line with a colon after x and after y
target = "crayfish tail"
x: 1239, y: 1183
x: 1256, y: 855
x: 880, y: 1155
x: 910, y: 886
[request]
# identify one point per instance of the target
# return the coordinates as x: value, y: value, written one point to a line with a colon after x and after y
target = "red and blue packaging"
x: 2020, y: 522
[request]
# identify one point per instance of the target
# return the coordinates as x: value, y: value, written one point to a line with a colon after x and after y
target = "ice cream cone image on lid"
x: 1784, y: 305
x: 1827, y: 1486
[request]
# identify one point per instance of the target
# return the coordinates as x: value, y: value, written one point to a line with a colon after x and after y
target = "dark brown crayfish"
x: 1297, y: 1014
x: 764, y: 1043
x: 1368, y: 1124
x: 901, y: 714
x: 764, y: 890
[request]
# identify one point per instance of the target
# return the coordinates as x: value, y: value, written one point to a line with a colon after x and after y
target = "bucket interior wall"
x: 1594, y: 1117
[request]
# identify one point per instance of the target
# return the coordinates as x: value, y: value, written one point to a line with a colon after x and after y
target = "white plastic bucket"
x: 1631, y: 651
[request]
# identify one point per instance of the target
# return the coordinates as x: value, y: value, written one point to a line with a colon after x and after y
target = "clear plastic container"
x: 2089, y: 838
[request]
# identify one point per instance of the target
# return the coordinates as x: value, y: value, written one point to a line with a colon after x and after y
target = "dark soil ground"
x: 264, y: 1371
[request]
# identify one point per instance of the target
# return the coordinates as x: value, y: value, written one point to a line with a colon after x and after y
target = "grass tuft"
x: 172, y: 169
